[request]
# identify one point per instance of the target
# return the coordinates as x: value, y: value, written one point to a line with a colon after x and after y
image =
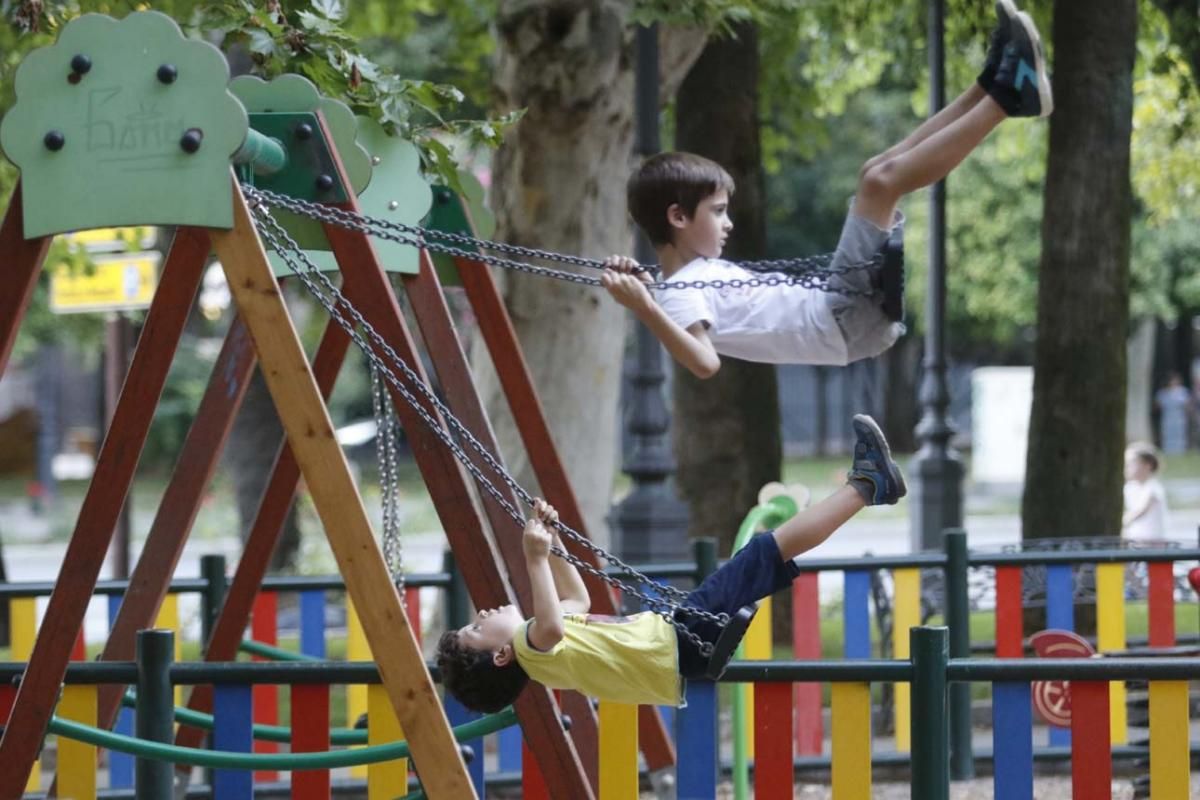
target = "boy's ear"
x: 676, y: 217
x: 504, y: 656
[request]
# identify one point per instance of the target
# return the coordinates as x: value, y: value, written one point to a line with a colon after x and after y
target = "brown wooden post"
x: 327, y: 475
x: 115, y: 467
x: 20, y: 262
x: 501, y: 339
x: 277, y: 498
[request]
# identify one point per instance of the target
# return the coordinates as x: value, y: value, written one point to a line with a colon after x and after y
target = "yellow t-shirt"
x: 621, y: 659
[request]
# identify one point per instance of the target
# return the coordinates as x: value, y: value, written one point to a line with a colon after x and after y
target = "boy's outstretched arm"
x: 692, y: 348
x: 546, y: 629
x: 572, y: 591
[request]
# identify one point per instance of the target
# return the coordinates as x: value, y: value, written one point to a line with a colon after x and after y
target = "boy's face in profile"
x: 704, y: 233
x: 492, y: 630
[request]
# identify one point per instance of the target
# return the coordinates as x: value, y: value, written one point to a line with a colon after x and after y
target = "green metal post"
x: 930, y: 732
x: 458, y: 601
x: 154, y: 779
x: 958, y: 620
x: 704, y: 551
x: 212, y: 572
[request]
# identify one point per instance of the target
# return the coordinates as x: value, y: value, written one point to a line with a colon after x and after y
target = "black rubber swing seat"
x: 891, y: 275
x: 731, y: 636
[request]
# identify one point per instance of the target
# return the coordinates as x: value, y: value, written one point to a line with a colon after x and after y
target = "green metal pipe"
x: 958, y: 620
x: 930, y: 731
x: 155, y: 652
x: 264, y: 154
x: 197, y: 757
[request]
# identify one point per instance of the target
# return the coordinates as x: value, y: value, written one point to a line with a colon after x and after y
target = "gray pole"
x: 937, y: 501
x: 650, y: 524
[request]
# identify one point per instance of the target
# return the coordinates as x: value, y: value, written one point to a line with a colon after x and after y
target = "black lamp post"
x: 650, y: 524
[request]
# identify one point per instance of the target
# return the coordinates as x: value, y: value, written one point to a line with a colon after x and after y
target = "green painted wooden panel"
x: 117, y: 98
x: 467, y: 213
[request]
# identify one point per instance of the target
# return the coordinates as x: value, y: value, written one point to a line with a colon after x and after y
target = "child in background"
x: 1145, y: 517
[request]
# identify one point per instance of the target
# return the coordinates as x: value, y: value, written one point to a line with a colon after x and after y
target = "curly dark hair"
x: 668, y: 179
x: 475, y: 679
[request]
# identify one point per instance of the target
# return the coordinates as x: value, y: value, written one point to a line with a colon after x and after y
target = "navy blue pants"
x: 756, y: 571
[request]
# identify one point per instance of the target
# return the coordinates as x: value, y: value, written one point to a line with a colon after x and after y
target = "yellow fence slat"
x: 618, y: 751
x: 756, y: 646
x: 1110, y: 636
x: 851, y: 741
x: 357, y: 649
x: 1170, y: 765
x: 77, y: 760
x: 906, y: 614
x: 383, y: 728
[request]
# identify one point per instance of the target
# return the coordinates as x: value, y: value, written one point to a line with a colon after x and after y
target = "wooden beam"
x: 327, y: 476
x: 230, y: 625
x: 20, y: 262
x: 496, y: 327
x: 98, y: 516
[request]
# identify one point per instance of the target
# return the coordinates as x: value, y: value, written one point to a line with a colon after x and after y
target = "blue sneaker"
x: 1006, y: 15
x: 876, y: 477
x: 1021, y: 86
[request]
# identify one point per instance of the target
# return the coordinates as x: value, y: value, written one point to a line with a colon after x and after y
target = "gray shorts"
x: 866, y: 329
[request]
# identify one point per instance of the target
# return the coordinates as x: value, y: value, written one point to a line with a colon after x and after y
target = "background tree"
x: 1076, y: 435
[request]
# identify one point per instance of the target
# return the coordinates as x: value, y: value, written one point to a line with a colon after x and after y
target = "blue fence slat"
x: 696, y: 743
x: 509, y: 741
x: 312, y: 623
x: 856, y: 614
x: 120, y: 765
x: 233, y: 732
x: 1060, y: 614
x: 1012, y: 741
x: 458, y: 714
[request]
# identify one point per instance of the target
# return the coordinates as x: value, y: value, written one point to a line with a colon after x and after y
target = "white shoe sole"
x: 1045, y: 93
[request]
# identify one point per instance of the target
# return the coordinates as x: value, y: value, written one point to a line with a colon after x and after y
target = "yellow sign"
x: 119, y: 282
x: 108, y: 240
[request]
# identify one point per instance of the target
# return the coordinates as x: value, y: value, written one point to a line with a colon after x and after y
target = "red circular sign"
x: 1052, y: 699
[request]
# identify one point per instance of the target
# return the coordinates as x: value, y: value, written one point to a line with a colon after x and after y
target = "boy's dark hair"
x: 668, y: 179
x: 474, y: 679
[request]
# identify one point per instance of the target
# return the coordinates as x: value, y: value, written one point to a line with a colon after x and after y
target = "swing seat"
x: 731, y: 636
x: 891, y: 275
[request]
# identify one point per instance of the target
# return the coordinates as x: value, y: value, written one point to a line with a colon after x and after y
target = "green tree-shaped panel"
x: 123, y: 122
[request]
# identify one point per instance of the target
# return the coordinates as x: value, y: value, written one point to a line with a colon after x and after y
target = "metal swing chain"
x: 337, y: 306
x: 389, y: 477
x: 816, y: 278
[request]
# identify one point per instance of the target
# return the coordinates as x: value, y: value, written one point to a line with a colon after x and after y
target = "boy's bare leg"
x: 815, y: 524
x: 926, y: 163
x: 961, y: 105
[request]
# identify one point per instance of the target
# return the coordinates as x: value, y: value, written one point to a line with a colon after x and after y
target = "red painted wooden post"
x: 310, y: 734
x: 1091, y: 758
x: 1009, y: 622
x: 22, y: 263
x: 772, y: 741
x: 266, y: 696
x: 412, y: 607
x: 1162, y: 604
x: 806, y: 644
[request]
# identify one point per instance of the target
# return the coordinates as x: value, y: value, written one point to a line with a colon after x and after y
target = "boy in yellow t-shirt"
x: 644, y: 657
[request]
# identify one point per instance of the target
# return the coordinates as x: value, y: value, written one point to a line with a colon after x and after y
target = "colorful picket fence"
x: 786, y: 715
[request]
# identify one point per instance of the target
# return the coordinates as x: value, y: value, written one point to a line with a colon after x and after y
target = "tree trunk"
x: 727, y: 430
x: 1138, y: 426
x: 1077, y: 427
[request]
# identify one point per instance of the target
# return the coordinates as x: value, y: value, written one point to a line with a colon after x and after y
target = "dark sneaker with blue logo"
x: 1006, y: 17
x: 1021, y: 86
x: 874, y: 475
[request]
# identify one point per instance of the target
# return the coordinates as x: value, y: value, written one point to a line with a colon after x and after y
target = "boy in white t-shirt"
x: 681, y: 202
x: 1145, y: 517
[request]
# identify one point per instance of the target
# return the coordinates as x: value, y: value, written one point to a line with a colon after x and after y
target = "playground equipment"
x: 81, y: 120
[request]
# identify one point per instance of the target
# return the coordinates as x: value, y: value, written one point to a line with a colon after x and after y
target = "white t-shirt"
x: 1151, y: 526
x: 787, y: 324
